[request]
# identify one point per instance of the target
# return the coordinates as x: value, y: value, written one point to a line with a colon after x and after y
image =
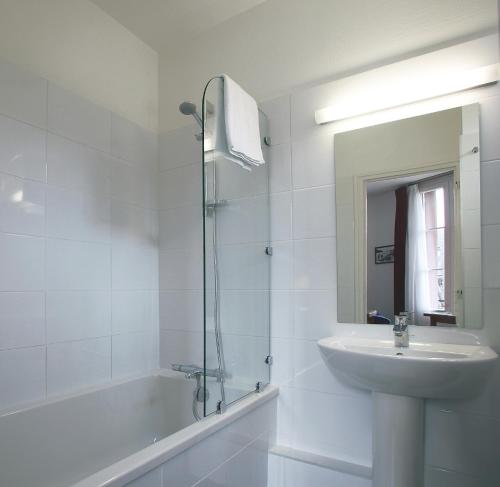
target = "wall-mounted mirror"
x: 408, y: 220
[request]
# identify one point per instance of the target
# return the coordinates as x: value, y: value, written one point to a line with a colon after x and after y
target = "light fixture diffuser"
x: 414, y: 91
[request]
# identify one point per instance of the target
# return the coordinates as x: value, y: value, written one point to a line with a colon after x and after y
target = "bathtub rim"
x: 63, y: 396
x: 143, y: 461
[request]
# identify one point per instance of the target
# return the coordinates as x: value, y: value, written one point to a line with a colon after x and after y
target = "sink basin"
x: 400, y: 380
x: 424, y: 369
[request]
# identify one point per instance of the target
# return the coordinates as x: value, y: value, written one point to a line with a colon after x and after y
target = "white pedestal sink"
x: 401, y: 379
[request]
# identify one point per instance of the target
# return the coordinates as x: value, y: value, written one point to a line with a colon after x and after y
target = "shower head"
x: 189, y: 108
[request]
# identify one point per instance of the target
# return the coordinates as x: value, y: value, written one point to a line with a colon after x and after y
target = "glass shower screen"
x: 236, y: 264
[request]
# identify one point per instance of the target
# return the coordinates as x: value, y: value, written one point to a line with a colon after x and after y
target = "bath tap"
x: 400, y: 329
x: 192, y: 371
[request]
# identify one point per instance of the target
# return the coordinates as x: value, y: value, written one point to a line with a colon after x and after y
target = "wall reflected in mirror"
x: 408, y: 221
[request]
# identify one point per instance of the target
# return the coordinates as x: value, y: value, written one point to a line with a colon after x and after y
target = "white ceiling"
x: 163, y: 23
x: 391, y: 184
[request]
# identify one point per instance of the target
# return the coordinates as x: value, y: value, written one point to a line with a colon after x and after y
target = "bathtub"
x: 115, y: 434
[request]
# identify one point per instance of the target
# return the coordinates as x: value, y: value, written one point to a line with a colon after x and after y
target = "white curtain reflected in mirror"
x: 417, y: 288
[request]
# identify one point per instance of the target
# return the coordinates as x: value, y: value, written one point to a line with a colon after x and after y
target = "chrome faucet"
x: 194, y: 371
x: 400, y: 329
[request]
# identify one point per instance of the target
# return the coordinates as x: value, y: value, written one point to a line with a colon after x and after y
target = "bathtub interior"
x: 59, y: 442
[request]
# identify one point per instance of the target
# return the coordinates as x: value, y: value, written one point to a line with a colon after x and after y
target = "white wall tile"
x: 132, y: 311
x: 462, y: 442
x: 490, y: 182
x: 245, y: 312
x: 471, y: 238
x: 280, y: 168
x: 244, y: 220
x: 179, y: 147
x: 134, y: 353
x: 77, y: 215
x: 181, y: 310
x: 282, y: 371
x: 23, y: 95
x: 240, y: 352
x: 314, y: 213
x: 180, y: 186
x: 74, y: 365
x: 133, y: 266
x: 281, y: 216
x: 485, y: 403
x: 491, y: 257
x: 82, y: 238
x: 181, y: 228
x: 73, y: 166
x: 73, y: 265
x: 314, y: 264
x: 151, y: 479
x: 282, y: 265
x: 74, y: 117
x: 22, y: 263
x: 292, y: 473
x: 249, y: 467
x: 210, y: 460
x: 281, y: 313
x: 28, y: 382
x: 489, y: 129
x: 22, y: 319
x: 73, y: 315
x: 438, y: 477
x: 233, y: 182
x: 22, y: 206
x: 131, y: 142
x: 244, y: 266
x: 471, y: 268
x: 180, y: 269
x: 131, y: 184
x: 22, y: 149
x: 180, y: 347
x: 311, y: 373
x: 328, y: 424
x: 315, y: 313
x: 278, y: 114
x: 312, y: 162
x: 131, y: 224
x: 491, y: 312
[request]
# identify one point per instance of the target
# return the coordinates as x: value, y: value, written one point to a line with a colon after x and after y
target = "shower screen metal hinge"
x: 221, y: 407
x: 259, y: 387
x: 269, y: 251
x: 269, y: 360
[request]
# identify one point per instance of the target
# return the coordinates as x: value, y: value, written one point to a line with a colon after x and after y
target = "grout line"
x: 227, y: 460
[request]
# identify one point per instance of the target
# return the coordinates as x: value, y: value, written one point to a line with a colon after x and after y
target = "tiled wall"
x: 78, y: 243
x: 181, y: 248
x: 316, y: 413
x: 233, y: 456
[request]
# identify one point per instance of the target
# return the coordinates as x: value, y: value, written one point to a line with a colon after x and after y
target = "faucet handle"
x: 400, y: 322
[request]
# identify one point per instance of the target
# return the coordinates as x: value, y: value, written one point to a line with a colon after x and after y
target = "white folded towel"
x: 238, y: 136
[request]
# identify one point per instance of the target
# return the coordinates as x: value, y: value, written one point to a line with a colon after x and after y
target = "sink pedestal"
x: 398, y: 441
x: 395, y: 375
